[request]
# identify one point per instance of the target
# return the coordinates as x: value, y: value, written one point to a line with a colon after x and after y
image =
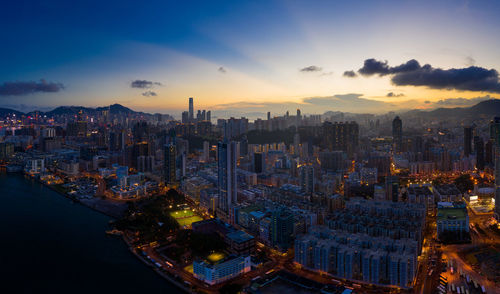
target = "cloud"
x: 411, y: 73
x: 144, y: 84
x: 349, y: 74
x: 311, y: 68
x: 25, y: 88
x: 392, y: 94
x: 427, y: 102
x: 221, y: 70
x: 469, y: 61
x: 149, y: 94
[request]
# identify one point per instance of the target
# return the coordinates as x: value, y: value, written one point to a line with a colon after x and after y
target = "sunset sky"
x: 249, y: 56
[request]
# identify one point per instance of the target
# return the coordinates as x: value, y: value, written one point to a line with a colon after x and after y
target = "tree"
x: 464, y: 183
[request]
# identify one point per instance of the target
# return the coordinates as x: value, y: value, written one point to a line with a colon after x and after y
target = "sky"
x: 237, y: 57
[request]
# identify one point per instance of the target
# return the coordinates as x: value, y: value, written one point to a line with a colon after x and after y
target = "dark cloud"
x: 411, y: 73
x: 350, y: 74
x: 149, y: 94
x: 392, y: 94
x: 25, y: 88
x: 221, y: 70
x: 427, y: 102
x: 311, y: 68
x: 144, y: 84
x: 373, y: 67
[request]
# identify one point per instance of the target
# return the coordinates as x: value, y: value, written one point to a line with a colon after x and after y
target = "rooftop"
x: 451, y: 213
x: 239, y: 236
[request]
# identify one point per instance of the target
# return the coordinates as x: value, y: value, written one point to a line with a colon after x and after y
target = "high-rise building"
x: 244, y: 146
x: 341, y: 136
x: 191, y: 109
x: 392, y: 188
x: 226, y: 172
x: 495, y: 135
x: 185, y: 117
x: 479, y: 150
x: 209, y: 116
x: 259, y: 162
x: 298, y: 118
x: 169, y: 163
x: 397, y: 134
x: 206, y: 151
x: 488, y: 152
x: 281, y: 228
x: 467, y: 141
x: 268, y: 115
x: 296, y: 144
x: 306, y: 173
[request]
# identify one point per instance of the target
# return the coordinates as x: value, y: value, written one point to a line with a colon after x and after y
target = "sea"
x: 49, y: 244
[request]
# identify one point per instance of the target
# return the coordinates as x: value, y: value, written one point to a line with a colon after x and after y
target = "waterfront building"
x: 213, y: 271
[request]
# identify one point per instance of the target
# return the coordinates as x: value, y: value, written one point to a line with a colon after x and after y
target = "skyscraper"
x: 206, y: 151
x: 191, y: 109
x: 397, y: 134
x: 298, y: 118
x: 169, y: 164
x: 306, y: 173
x: 259, y: 162
x: 467, y: 141
x: 341, y: 136
x: 281, y: 228
x: 185, y: 117
x: 495, y: 135
x: 226, y: 173
x: 479, y: 150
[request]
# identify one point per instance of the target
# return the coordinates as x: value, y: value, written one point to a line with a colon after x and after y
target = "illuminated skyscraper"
x: 397, y: 134
x: 169, y: 164
x: 495, y: 135
x: 191, y: 109
x: 226, y: 173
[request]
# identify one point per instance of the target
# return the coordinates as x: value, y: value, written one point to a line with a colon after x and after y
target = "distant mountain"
x: 69, y: 110
x: 4, y: 112
x: 73, y: 110
x: 117, y: 108
x: 488, y: 108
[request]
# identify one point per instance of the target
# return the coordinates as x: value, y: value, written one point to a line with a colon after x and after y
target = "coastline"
x: 167, y: 277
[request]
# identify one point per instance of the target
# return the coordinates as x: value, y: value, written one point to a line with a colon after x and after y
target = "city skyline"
x: 250, y: 57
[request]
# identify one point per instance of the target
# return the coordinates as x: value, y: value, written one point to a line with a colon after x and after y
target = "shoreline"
x: 167, y: 277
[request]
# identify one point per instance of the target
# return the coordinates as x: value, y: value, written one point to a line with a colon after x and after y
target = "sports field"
x: 185, y: 217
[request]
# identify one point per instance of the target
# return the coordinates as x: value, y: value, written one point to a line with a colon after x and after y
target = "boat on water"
x: 114, y: 232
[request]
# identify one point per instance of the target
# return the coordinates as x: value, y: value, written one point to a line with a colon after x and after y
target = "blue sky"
x: 241, y: 55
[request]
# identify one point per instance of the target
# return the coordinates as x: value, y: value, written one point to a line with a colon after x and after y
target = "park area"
x: 185, y: 217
